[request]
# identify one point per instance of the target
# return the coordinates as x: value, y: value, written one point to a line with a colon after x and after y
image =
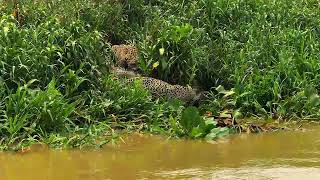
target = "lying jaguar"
x: 126, y: 55
x: 160, y: 88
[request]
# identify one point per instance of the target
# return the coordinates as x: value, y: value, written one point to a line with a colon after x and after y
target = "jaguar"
x: 159, y: 88
x: 126, y: 56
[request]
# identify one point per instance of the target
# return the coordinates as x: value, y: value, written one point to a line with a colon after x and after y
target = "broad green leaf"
x: 210, y: 123
x: 314, y: 100
x: 211, y: 136
x: 190, y: 119
x: 217, y: 133
x: 197, y: 132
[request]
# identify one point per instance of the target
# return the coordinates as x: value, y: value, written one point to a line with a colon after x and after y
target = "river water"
x: 279, y: 155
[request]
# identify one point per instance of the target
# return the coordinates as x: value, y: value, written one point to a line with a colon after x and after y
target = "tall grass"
x: 265, y: 50
x: 254, y: 56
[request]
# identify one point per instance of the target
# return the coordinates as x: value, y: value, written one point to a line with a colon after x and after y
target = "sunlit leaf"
x: 228, y: 93
x: 225, y: 114
x: 220, y: 89
x: 237, y: 114
x: 155, y: 65
x: 161, y: 51
x: 5, y: 30
x: 197, y: 132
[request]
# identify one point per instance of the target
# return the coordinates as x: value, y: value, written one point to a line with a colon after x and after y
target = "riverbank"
x: 254, y: 58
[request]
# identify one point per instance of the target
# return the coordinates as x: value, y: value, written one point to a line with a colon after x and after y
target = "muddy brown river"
x: 280, y: 155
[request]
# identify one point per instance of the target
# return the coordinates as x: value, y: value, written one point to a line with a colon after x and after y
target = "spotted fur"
x: 126, y: 56
x: 121, y: 72
x: 160, y: 88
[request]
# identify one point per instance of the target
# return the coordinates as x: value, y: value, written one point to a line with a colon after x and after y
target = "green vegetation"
x: 256, y: 57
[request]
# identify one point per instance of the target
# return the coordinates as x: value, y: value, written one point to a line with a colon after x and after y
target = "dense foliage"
x: 254, y: 56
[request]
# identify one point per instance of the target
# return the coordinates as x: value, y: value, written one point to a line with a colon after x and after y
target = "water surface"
x: 281, y: 155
